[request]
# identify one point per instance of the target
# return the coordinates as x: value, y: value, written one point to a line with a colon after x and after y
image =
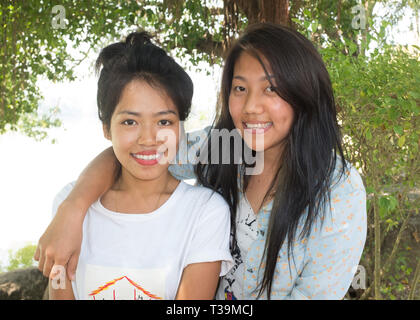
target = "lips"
x: 147, y: 158
x: 257, y: 127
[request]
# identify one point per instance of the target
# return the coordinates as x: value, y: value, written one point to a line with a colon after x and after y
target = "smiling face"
x: 257, y: 111
x: 144, y: 130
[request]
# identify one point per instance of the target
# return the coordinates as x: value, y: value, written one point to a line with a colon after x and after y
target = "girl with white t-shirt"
x: 150, y: 236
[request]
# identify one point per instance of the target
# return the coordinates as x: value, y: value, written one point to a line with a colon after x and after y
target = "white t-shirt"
x: 142, y: 256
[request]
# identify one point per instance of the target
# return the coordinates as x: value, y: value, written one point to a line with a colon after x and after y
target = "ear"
x: 107, y: 131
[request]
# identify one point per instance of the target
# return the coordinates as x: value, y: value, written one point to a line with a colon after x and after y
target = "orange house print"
x: 120, y: 287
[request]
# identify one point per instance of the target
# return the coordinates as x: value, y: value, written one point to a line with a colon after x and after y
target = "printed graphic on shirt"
x: 229, y: 278
x: 229, y: 295
x: 246, y: 233
x: 107, y: 283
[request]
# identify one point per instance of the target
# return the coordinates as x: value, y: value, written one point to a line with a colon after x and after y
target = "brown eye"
x: 238, y: 89
x: 165, y: 123
x: 129, y: 122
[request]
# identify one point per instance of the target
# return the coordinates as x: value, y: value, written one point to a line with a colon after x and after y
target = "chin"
x: 256, y: 145
x: 147, y: 174
x: 153, y: 172
x: 148, y: 178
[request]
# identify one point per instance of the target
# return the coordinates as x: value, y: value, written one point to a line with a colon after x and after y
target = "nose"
x: 253, y: 104
x: 147, y: 135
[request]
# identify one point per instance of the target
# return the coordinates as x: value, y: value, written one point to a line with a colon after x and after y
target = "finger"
x: 58, y: 272
x: 41, y: 260
x: 60, y: 263
x: 48, y: 266
x: 55, y: 270
x: 72, y: 265
x: 37, y: 252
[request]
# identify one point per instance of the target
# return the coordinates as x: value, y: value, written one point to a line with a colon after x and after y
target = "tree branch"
x: 390, y: 258
x: 211, y: 47
x: 416, y: 280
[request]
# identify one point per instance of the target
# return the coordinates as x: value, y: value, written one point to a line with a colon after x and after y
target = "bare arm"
x: 199, y: 281
x: 94, y: 181
x: 60, y: 243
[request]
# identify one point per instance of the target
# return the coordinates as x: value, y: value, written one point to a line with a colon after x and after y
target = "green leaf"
x: 398, y: 130
x: 314, y: 26
x: 22, y: 257
x: 387, y: 204
x: 401, y: 141
x: 370, y: 190
x: 414, y: 94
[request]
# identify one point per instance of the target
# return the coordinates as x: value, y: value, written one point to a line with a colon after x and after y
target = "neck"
x: 129, y: 184
x: 271, y: 161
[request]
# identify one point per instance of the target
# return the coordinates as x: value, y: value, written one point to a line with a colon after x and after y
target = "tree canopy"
x: 36, y: 36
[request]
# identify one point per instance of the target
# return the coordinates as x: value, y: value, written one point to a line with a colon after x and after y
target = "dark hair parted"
x: 137, y: 58
x: 303, y: 182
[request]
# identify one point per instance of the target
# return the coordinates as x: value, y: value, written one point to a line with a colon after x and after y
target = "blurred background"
x: 49, y: 128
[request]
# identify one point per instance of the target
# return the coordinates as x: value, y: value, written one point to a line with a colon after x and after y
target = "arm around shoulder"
x: 61, y: 242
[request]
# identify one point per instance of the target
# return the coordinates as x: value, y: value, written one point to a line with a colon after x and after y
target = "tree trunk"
x: 275, y: 11
x: 369, y: 5
x: 377, y: 269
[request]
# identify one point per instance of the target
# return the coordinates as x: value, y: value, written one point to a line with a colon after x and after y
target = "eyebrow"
x: 263, y: 78
x: 138, y: 114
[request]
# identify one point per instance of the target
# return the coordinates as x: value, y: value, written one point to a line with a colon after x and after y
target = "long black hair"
x: 302, y: 183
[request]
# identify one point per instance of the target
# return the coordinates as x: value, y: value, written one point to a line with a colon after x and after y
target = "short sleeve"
x: 61, y: 196
x: 211, y: 238
x: 186, y: 158
x: 335, y: 246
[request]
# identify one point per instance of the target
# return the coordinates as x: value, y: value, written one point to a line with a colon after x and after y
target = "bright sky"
x: 31, y: 172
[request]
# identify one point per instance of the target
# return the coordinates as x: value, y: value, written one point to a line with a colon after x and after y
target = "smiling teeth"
x: 258, y: 125
x: 150, y: 157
